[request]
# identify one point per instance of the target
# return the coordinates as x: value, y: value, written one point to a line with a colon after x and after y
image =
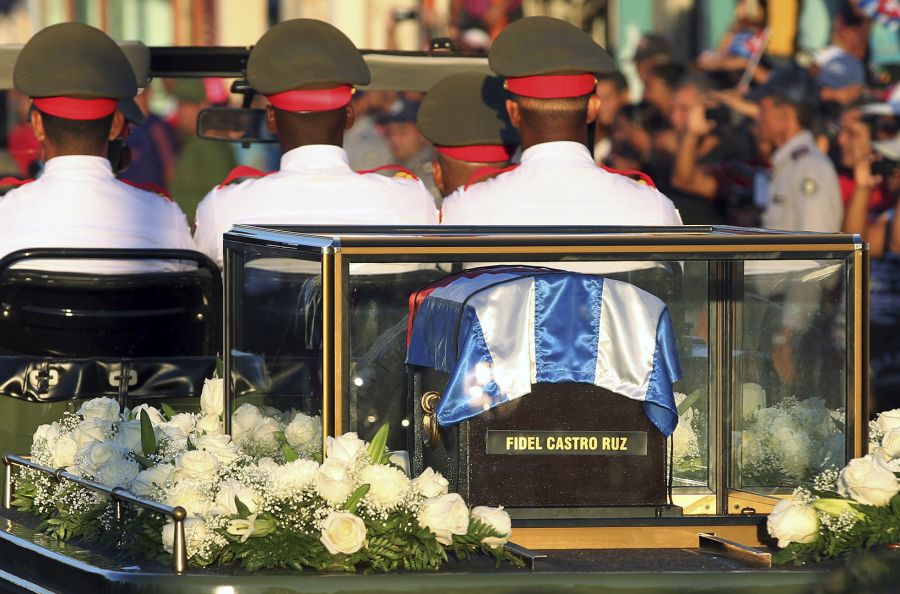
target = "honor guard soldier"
x: 75, y: 76
x: 804, y: 193
x: 464, y: 117
x: 307, y: 69
x: 549, y: 68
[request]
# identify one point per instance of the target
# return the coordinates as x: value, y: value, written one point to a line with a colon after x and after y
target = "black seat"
x: 67, y: 314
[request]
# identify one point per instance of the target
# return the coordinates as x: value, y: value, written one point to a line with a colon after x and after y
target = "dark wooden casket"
x: 561, y: 446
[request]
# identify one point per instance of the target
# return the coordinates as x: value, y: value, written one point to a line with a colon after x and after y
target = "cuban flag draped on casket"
x: 498, y: 330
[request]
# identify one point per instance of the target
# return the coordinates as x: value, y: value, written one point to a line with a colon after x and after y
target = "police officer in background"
x: 307, y: 69
x: 75, y: 76
x: 550, y: 67
x: 464, y: 117
x: 804, y: 193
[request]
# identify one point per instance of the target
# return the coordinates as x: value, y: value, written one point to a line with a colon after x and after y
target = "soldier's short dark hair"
x: 93, y: 134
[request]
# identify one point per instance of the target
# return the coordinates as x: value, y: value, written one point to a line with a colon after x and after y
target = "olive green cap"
x: 190, y: 90
x: 540, y: 45
x: 304, y: 54
x: 465, y: 109
x: 138, y: 56
x: 73, y: 60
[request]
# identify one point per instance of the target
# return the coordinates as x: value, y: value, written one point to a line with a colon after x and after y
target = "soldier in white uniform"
x: 307, y: 69
x: 804, y: 193
x: 550, y: 67
x: 75, y: 76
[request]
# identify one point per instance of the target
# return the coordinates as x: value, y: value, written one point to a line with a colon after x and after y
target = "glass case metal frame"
x: 726, y: 248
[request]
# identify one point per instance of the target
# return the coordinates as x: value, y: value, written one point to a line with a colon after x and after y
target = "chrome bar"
x: 711, y: 543
x: 118, y: 495
x: 530, y: 557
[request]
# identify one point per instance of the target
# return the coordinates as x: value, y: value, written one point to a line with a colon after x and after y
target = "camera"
x: 884, y: 167
x: 405, y: 14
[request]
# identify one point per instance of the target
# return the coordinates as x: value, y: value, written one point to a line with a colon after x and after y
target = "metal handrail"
x: 117, y: 494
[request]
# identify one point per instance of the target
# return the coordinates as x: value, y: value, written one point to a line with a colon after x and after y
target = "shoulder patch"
x: 242, y: 172
x: 400, y: 172
x: 148, y: 187
x: 483, y: 173
x: 11, y: 183
x: 642, y: 177
x: 803, y: 150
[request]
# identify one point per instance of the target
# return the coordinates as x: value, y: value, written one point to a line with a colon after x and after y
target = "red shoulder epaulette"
x: 149, y: 187
x: 483, y: 172
x: 644, y: 178
x: 14, y: 182
x: 401, y: 171
x: 242, y: 171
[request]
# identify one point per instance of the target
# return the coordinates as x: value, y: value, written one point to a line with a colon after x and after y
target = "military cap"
x: 306, y: 65
x: 74, y: 71
x: 548, y: 58
x: 789, y: 82
x: 464, y: 117
x: 139, y: 57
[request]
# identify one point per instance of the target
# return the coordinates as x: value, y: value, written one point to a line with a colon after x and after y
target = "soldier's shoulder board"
x: 149, y: 187
x: 634, y: 175
x: 484, y: 173
x: 399, y: 172
x: 241, y: 173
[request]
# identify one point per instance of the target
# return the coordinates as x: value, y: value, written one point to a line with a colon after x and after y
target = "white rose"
x: 106, y: 409
x: 445, y: 515
x: 891, y: 443
x: 304, y: 433
x: 243, y: 421
x: 195, y: 533
x: 388, y: 486
x: 120, y: 473
x: 345, y: 448
x: 264, y: 434
x: 220, y: 446
x: 753, y: 398
x: 888, y: 420
x: 184, y: 421
x: 497, y: 519
x: 868, y: 480
x: 64, y: 451
x: 89, y: 430
x: 129, y: 436
x: 212, y: 398
x: 197, y: 464
x: 343, y: 532
x: 148, y: 482
x: 210, y: 425
x: 430, y: 483
x: 49, y: 433
x: 192, y: 495
x: 155, y: 416
x: 293, y: 477
x: 232, y: 488
x: 173, y: 433
x: 400, y: 458
x: 791, y: 521
x: 333, y: 482
x: 95, y: 455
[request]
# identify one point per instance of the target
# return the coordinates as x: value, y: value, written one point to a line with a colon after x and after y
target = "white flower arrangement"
x: 261, y: 499
x: 846, y: 510
x: 790, y: 442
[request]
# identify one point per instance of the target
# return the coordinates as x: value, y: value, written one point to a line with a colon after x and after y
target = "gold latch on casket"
x: 430, y: 430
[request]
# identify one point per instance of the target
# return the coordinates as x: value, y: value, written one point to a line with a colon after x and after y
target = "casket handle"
x: 429, y: 403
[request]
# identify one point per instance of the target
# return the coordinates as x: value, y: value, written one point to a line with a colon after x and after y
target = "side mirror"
x: 234, y: 125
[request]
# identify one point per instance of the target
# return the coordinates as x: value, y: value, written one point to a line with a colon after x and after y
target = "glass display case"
x: 769, y: 327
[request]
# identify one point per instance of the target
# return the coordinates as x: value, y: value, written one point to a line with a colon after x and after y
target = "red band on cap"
x: 478, y: 153
x: 552, y: 86
x: 313, y: 99
x: 76, y: 109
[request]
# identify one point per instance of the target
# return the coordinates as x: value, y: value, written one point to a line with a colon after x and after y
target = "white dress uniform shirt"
x: 804, y: 194
x: 558, y: 183
x: 78, y: 203
x: 314, y: 186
